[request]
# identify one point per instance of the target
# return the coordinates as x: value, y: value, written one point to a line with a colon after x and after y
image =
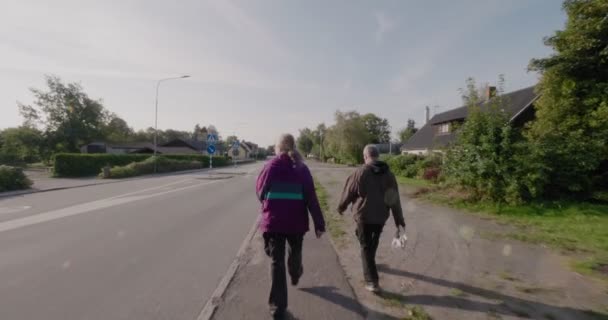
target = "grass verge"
x: 332, y: 219
x: 577, y: 227
x: 414, y: 182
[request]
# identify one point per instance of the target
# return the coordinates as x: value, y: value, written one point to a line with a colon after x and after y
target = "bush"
x: 163, y: 164
x: 412, y: 166
x: 82, y: 164
x: 79, y: 165
x: 12, y: 178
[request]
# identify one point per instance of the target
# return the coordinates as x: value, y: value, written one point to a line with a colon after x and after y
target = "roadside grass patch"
x: 597, y: 315
x: 332, y: 219
x: 417, y: 313
x: 458, y: 293
x: 531, y: 290
x: 549, y: 316
x: 414, y: 182
x: 493, y: 314
x: 505, y: 275
x: 577, y: 227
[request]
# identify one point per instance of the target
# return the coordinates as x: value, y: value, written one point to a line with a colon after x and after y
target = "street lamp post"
x: 156, y: 114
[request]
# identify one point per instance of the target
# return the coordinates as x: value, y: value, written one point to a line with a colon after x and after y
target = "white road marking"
x: 91, y: 206
x: 7, y: 210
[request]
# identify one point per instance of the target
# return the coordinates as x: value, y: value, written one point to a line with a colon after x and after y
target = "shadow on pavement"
x: 331, y: 294
x: 506, y: 305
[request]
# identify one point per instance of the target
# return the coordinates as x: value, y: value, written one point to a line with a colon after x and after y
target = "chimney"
x: 428, y: 114
x: 490, y: 93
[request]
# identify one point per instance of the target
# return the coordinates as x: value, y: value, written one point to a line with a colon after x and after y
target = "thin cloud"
x: 384, y: 25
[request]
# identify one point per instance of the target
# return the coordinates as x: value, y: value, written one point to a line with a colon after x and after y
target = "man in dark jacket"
x: 373, y: 191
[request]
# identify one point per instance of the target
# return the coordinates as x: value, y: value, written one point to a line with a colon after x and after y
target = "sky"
x: 262, y: 68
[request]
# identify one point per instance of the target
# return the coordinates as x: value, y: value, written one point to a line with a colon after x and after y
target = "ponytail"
x: 287, y: 145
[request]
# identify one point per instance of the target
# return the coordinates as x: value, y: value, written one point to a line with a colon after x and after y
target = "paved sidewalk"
x: 451, y: 269
x: 323, y: 292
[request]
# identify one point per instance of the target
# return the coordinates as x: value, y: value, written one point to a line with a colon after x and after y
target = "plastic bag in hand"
x: 399, y: 240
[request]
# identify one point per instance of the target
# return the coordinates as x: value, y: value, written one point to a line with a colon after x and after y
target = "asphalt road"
x: 153, y: 248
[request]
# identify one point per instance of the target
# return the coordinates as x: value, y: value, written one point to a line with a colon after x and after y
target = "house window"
x: 444, y: 128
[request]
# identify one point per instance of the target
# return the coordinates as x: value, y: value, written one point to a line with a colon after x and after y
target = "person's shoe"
x: 278, y: 314
x: 295, y: 281
x: 372, y: 287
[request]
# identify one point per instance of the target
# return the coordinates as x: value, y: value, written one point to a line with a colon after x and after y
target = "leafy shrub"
x: 12, y: 178
x: 431, y: 173
x: 82, y: 164
x: 162, y: 164
x: 411, y: 166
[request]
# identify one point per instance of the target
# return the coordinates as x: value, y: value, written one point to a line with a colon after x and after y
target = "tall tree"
x: 196, y: 133
x: 171, y: 134
x: 231, y: 139
x: 378, y: 128
x: 116, y: 129
x: 570, y: 134
x: 407, y: 132
x: 305, y: 141
x: 345, y: 140
x: 67, y: 115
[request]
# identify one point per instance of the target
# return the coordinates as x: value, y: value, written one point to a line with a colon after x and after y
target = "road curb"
x: 30, y: 191
x: 213, y: 302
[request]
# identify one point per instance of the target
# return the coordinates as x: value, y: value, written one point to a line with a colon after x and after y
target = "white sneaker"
x: 372, y: 287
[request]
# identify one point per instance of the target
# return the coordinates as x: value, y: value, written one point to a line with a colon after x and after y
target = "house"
x: 173, y: 147
x: 102, y: 147
x: 440, y: 130
x: 244, y: 152
x: 389, y: 148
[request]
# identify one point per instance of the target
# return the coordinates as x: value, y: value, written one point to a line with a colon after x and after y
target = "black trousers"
x: 369, y: 238
x: 274, y: 246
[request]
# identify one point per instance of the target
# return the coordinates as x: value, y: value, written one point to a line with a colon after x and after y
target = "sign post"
x: 235, y: 151
x: 211, y: 140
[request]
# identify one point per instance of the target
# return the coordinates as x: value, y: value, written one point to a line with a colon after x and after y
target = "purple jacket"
x: 287, y: 192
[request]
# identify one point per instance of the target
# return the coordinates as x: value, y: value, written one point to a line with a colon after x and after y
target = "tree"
x: 570, y: 134
x: 171, y: 134
x: 196, y: 133
x: 346, y: 139
x: 231, y: 139
x: 305, y: 141
x: 486, y: 157
x: 378, y: 128
x: 270, y: 149
x: 21, y: 145
x: 116, y: 129
x: 67, y: 115
x: 407, y: 132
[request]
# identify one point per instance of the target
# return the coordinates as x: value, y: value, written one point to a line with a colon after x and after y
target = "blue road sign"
x: 211, y: 149
x: 211, y: 139
x: 235, y: 145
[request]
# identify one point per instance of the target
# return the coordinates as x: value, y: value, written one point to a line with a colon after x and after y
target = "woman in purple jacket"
x: 287, y: 192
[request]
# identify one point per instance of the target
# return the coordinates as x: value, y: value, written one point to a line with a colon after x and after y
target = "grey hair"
x: 287, y: 145
x: 371, y: 151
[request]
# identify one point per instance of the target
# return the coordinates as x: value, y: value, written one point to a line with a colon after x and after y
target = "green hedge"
x: 12, y: 178
x: 414, y: 166
x: 82, y: 164
x: 218, y: 161
x: 163, y: 164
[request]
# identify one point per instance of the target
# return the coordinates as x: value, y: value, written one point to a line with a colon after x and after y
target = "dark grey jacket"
x: 373, y: 191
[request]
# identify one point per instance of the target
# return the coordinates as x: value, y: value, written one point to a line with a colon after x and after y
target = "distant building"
x: 177, y: 146
x: 439, y: 131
